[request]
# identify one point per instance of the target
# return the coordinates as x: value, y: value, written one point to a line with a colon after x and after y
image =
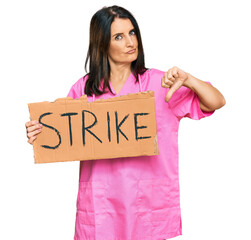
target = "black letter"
x: 59, y: 137
x: 86, y: 128
x: 108, y: 123
x: 118, y: 126
x: 139, y: 127
x: 69, y: 118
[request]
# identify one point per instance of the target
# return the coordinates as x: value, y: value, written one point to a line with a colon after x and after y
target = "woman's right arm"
x: 33, y: 128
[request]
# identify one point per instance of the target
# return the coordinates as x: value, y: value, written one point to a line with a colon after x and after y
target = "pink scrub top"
x: 136, y: 198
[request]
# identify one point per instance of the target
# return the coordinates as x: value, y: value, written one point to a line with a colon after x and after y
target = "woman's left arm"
x: 210, y: 97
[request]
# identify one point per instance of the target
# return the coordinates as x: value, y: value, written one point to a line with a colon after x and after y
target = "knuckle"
x: 34, y: 122
x: 31, y: 140
x: 27, y: 124
x: 29, y: 129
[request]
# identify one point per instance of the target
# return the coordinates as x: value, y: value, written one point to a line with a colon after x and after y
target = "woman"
x: 134, y: 198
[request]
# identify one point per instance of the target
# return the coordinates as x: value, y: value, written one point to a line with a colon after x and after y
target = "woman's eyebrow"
x: 117, y: 34
x: 122, y: 33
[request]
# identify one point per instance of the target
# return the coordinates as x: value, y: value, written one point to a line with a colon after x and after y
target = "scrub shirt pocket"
x: 156, y: 198
x: 91, y: 202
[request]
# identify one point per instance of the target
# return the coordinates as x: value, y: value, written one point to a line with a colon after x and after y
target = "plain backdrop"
x: 43, y: 46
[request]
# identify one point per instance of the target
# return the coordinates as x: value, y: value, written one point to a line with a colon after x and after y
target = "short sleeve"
x: 77, y: 90
x: 72, y: 93
x: 186, y: 103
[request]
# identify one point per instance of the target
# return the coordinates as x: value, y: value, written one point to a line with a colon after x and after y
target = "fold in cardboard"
x: 77, y: 130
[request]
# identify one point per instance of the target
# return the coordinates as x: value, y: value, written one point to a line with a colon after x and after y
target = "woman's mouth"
x: 132, y: 51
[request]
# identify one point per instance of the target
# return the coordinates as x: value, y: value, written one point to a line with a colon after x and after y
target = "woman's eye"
x: 132, y: 32
x: 118, y: 37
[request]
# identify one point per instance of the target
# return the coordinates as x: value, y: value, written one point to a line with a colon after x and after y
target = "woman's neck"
x: 120, y: 73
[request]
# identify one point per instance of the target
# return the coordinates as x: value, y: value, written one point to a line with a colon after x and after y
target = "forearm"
x: 209, y: 96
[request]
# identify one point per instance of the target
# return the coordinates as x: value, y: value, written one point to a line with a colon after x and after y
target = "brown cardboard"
x: 106, y: 138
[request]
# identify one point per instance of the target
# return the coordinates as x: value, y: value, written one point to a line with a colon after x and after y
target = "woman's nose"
x: 129, y: 41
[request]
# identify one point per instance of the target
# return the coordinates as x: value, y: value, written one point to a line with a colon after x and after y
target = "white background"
x: 42, y: 53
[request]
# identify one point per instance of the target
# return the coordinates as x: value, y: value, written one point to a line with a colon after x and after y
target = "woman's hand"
x: 210, y: 97
x: 33, y: 128
x: 174, y: 78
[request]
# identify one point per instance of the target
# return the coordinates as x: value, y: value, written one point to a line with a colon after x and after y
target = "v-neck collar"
x: 123, y: 87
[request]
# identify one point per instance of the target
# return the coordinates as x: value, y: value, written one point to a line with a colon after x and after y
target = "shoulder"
x: 153, y: 72
x: 156, y: 72
x: 152, y: 76
x: 77, y: 89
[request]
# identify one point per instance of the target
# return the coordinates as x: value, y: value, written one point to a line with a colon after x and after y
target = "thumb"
x: 169, y: 94
x: 173, y: 88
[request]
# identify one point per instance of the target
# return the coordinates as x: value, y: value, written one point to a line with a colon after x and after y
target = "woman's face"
x: 124, y: 44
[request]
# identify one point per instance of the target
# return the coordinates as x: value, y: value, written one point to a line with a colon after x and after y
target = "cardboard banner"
x: 77, y: 130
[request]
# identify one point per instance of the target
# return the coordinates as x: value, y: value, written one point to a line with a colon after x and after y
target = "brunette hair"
x: 97, y: 55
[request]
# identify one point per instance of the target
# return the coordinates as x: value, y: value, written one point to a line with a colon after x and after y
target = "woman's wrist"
x: 189, y: 83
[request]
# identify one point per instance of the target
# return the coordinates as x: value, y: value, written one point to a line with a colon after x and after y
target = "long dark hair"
x: 97, y: 55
